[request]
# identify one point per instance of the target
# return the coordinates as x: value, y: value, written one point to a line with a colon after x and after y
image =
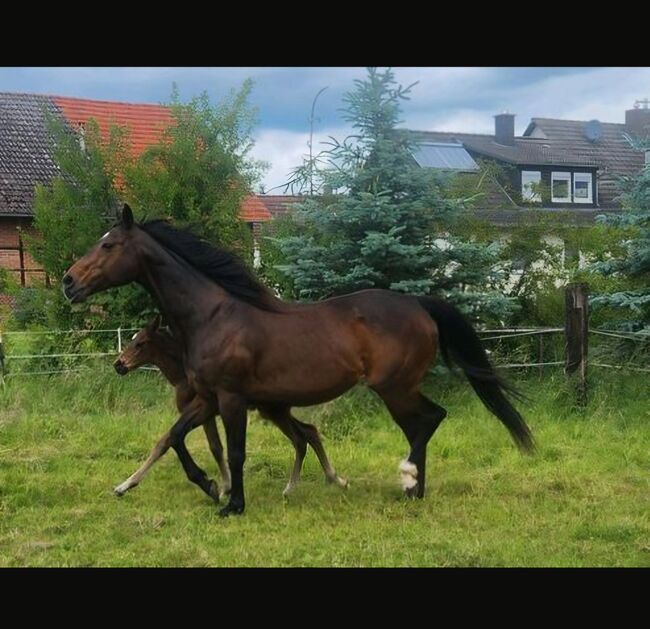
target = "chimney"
x: 637, y: 120
x: 504, y: 128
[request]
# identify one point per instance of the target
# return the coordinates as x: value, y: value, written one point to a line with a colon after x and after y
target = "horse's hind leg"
x: 311, y: 434
x: 418, y: 418
x: 212, y: 434
x: 281, y: 417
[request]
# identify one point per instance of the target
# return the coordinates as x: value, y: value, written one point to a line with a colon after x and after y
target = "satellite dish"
x: 593, y: 130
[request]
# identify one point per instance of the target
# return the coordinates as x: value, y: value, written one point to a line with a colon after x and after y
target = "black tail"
x: 460, y: 344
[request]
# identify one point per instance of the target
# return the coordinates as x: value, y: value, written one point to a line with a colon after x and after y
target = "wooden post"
x: 576, y: 331
x: 21, y: 257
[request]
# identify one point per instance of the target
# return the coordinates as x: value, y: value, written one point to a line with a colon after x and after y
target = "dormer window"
x: 530, y: 182
x: 582, y: 188
x: 561, y: 187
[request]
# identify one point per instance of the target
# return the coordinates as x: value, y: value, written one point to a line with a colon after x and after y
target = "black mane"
x: 221, y: 266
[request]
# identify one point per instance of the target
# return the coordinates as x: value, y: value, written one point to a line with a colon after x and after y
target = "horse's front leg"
x: 159, y: 449
x: 233, y: 412
x: 194, y: 414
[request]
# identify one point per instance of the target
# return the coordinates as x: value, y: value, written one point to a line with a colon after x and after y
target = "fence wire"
x: 538, y: 354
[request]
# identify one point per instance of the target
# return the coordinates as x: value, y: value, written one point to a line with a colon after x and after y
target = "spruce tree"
x: 634, y: 267
x: 386, y: 223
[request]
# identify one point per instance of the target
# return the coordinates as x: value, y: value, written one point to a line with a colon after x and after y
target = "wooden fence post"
x: 576, y: 331
x: 21, y: 257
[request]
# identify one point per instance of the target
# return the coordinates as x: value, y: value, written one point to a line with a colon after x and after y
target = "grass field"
x: 583, y: 500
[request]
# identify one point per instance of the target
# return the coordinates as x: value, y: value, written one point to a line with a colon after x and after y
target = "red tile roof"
x: 280, y: 204
x: 253, y: 210
x: 145, y: 122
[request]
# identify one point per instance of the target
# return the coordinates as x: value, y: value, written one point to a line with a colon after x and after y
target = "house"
x: 568, y: 165
x: 26, y: 159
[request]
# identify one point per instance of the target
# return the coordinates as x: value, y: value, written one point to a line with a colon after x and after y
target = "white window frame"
x: 583, y: 177
x: 528, y: 177
x: 561, y: 176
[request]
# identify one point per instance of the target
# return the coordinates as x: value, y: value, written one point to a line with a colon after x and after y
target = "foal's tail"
x: 460, y: 344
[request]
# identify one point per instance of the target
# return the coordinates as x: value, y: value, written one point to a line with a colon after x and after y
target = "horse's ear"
x: 127, y: 216
x: 155, y: 324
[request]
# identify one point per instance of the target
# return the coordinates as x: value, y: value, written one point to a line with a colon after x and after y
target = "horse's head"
x: 111, y: 262
x: 145, y: 348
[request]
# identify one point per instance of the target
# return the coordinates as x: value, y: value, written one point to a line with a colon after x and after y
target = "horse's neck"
x: 171, y: 367
x: 186, y: 298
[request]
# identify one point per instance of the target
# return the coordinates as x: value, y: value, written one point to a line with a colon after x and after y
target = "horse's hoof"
x: 214, y: 492
x: 412, y: 492
x: 120, y: 490
x: 231, y: 509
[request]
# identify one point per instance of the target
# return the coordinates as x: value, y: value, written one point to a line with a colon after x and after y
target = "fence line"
x: 502, y: 333
x: 116, y: 330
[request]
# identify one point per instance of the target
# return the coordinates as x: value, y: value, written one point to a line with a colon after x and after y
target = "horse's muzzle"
x: 120, y: 367
x: 71, y: 290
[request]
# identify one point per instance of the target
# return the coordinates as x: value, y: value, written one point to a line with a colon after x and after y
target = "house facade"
x: 555, y: 165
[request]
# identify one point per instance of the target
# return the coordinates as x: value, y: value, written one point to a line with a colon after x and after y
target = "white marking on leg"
x: 408, y: 474
x: 121, y: 489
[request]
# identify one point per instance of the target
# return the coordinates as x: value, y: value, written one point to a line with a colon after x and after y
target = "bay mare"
x: 242, y: 345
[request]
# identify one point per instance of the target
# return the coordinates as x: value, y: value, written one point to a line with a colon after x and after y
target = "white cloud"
x: 284, y: 150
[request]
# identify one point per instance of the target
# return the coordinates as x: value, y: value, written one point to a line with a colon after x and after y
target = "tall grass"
x: 583, y: 500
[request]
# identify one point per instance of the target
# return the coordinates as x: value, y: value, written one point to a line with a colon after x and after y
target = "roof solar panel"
x: 449, y: 156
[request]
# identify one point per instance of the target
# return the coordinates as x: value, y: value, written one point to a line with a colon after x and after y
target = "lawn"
x: 582, y: 500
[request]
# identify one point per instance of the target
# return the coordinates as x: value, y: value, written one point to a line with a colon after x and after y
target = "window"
x: 530, y: 181
x: 582, y: 188
x: 561, y: 187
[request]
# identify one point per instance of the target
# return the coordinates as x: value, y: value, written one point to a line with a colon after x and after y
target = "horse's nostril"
x: 67, y: 280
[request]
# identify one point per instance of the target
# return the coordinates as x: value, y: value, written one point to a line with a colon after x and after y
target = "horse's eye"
x: 107, y: 245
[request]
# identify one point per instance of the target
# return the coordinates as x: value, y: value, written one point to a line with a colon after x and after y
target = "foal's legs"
x: 282, y: 419
x: 159, y: 449
x: 212, y: 434
x: 210, y: 428
x: 312, y: 435
x: 418, y: 418
x: 300, y: 433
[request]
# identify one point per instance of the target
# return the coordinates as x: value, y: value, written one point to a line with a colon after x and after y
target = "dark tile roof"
x: 612, y: 152
x: 24, y: 151
x: 524, y: 151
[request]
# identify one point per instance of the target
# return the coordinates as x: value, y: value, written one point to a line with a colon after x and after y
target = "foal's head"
x: 111, y: 262
x: 150, y: 346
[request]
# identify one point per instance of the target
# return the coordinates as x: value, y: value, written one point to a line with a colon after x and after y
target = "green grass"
x: 583, y: 500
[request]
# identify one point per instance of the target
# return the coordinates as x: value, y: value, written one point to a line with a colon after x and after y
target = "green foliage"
x: 632, y: 264
x: 197, y: 174
x: 200, y: 171
x: 379, y: 228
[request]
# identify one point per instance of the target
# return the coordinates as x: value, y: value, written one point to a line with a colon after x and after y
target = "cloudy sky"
x: 445, y: 99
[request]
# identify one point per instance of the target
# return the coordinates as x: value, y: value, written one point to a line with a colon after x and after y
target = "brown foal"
x: 156, y: 346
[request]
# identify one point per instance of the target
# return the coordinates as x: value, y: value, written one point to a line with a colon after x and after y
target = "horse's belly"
x: 302, y: 383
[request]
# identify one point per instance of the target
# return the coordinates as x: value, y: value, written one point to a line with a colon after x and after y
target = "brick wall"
x: 10, y: 259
